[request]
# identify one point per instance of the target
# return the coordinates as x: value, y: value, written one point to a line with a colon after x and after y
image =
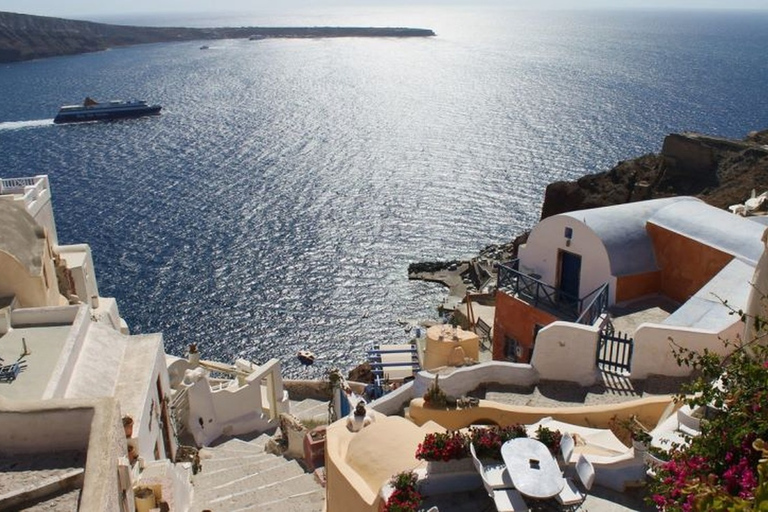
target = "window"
x: 569, y: 233
x: 512, y: 350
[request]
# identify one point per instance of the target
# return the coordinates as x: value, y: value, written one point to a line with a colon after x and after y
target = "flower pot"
x: 437, y: 467
x: 128, y: 426
x: 640, y: 448
x: 144, y: 498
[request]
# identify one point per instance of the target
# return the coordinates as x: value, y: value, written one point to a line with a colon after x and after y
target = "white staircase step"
x: 273, y: 492
x: 247, y: 475
x: 236, y: 445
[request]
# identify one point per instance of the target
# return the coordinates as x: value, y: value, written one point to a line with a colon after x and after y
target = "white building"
x: 75, y: 385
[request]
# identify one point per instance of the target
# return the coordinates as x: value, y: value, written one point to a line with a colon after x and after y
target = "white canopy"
x: 589, y: 441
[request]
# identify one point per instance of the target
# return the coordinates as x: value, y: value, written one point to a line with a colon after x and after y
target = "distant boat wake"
x: 17, y: 125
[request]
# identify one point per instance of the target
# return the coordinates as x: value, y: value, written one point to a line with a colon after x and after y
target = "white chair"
x: 505, y: 500
x: 571, y: 497
x: 496, y: 474
x: 566, y: 448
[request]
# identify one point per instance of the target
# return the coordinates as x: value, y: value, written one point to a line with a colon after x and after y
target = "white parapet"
x: 35, y: 194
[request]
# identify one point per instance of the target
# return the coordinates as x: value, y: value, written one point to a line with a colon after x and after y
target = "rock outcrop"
x: 719, y: 171
x: 25, y: 37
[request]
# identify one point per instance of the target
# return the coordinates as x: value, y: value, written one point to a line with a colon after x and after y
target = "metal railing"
x: 15, y: 185
x: 543, y: 296
x: 597, y: 306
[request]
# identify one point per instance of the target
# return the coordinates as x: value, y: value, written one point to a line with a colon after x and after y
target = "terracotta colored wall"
x: 516, y: 319
x: 686, y: 265
x: 638, y: 285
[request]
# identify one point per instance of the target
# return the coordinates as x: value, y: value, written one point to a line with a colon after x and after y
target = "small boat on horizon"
x: 92, y: 110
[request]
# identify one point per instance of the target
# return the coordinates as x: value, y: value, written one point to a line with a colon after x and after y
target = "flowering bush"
x: 512, y: 432
x: 405, y: 497
x: 551, y: 438
x: 721, y: 468
x: 443, y: 446
x: 488, y: 440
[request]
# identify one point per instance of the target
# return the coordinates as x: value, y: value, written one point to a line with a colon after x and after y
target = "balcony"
x: 585, y: 310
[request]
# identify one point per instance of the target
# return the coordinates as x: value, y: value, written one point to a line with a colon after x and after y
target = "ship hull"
x: 86, y: 114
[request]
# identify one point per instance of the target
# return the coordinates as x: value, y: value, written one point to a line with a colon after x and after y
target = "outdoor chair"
x: 566, y: 449
x: 504, y: 500
x: 496, y: 474
x: 8, y: 373
x: 571, y: 497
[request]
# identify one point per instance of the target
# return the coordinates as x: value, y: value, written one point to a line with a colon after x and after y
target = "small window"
x: 568, y: 233
x: 512, y: 350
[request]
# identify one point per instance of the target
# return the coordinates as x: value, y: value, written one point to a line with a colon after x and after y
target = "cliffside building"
x: 83, y: 401
x: 580, y: 267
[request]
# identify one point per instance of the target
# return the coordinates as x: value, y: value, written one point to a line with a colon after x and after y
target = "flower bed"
x: 443, y: 446
x: 453, y: 445
x: 405, y: 497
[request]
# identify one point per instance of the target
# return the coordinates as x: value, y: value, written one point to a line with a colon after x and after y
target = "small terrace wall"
x: 566, y: 351
x: 647, y: 410
x: 652, y: 353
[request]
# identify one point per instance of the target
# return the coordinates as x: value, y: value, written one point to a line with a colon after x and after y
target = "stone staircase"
x: 239, y: 476
x: 310, y: 410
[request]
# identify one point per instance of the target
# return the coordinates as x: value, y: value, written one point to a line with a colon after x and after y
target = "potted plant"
x: 435, y: 397
x: 128, y: 426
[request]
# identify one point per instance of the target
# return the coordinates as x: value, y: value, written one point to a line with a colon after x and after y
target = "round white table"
x: 534, y: 471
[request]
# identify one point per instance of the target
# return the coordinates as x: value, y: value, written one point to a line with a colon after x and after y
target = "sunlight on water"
x: 277, y: 201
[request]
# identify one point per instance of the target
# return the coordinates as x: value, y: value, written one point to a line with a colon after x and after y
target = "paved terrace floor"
x: 32, y: 471
x: 599, y: 499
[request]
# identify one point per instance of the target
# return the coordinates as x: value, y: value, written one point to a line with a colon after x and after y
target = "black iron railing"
x: 543, y: 296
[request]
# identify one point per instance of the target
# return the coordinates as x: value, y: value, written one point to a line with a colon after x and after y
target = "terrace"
x: 584, y: 310
x: 359, y: 464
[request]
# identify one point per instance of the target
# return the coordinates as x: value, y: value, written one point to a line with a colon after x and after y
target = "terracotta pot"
x: 128, y: 426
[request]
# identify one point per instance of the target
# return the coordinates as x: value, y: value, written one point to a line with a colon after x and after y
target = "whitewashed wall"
x: 539, y: 254
x: 566, y: 351
x: 652, y: 353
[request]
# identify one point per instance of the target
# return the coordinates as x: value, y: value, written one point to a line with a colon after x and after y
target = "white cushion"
x: 570, y: 494
x: 509, y: 500
x: 498, y: 476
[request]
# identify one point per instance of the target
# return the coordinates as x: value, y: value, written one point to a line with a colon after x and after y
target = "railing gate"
x: 614, y: 352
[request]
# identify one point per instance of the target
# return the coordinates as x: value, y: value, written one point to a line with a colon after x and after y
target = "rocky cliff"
x: 25, y: 37
x: 719, y: 171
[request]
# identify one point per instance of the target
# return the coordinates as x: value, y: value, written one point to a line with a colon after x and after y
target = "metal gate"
x: 614, y: 352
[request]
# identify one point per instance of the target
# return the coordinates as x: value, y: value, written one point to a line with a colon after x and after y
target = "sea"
x: 276, y: 203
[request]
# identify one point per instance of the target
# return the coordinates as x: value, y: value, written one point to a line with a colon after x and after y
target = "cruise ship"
x: 92, y: 110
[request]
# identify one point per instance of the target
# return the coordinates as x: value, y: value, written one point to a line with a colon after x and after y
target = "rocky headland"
x: 26, y: 37
x: 721, y: 172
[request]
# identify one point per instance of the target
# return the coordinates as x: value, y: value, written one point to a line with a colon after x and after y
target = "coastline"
x: 26, y: 37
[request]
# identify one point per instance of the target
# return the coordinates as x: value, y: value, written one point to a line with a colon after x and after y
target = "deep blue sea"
x: 277, y: 201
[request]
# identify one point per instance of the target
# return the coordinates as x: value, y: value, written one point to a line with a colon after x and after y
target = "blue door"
x: 570, y: 277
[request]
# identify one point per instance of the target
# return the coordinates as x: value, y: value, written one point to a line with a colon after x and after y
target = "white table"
x: 534, y: 471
